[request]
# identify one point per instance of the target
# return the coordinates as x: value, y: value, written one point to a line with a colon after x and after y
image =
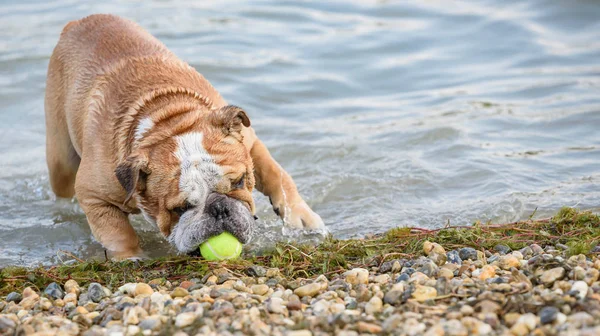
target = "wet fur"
x: 116, y: 101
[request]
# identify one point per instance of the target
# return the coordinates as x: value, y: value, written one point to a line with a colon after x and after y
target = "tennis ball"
x: 223, y: 246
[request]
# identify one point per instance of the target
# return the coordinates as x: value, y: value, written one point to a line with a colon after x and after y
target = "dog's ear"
x: 230, y: 118
x: 132, y: 175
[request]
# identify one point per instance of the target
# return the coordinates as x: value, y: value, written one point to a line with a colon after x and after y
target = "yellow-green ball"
x: 223, y: 246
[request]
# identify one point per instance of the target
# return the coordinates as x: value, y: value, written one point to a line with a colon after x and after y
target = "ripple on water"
x: 386, y: 113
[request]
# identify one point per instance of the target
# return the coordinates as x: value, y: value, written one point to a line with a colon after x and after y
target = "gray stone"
x: 54, y: 291
x: 393, y: 297
x: 150, y: 323
x: 351, y: 302
x: 467, y: 253
x: 256, y: 271
x: 548, y: 314
x: 454, y: 257
x: 502, y: 249
x: 14, y: 297
x: 95, y: 292
x: 403, y: 277
x: 6, y: 325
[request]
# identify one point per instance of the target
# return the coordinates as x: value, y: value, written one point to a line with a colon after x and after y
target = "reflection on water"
x: 386, y: 114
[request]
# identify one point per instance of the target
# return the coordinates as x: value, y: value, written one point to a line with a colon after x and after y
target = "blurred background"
x: 386, y: 113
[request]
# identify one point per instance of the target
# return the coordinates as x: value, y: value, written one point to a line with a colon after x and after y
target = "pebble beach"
x: 534, y: 290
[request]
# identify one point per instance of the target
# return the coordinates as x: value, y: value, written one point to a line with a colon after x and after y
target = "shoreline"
x: 534, y: 276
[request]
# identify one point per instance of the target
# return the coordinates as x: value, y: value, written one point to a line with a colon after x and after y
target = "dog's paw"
x: 135, y: 256
x: 301, y: 216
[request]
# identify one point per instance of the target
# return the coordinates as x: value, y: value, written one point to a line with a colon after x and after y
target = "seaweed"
x: 579, y: 230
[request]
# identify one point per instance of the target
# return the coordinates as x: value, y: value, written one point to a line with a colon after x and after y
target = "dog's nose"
x: 219, y: 209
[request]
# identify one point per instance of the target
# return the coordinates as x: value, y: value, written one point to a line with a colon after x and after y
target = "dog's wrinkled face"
x: 198, y: 183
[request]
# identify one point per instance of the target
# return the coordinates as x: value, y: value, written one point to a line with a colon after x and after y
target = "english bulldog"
x: 131, y: 128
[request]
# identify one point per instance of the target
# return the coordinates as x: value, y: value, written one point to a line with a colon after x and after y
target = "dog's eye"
x: 182, y: 209
x: 239, y: 184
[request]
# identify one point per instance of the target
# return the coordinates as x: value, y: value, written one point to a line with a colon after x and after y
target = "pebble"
x: 548, y: 314
x: 423, y: 293
x: 579, y: 289
x: 374, y: 305
x: 143, y: 289
x: 71, y: 286
x: 54, y: 291
x: 311, y: 289
x: 14, y: 297
x: 179, y: 292
x: 552, y: 275
x: 95, y: 292
x: 454, y: 257
x: 185, y: 319
x: 466, y: 253
x: 263, y: 289
x: 357, y: 276
x: 477, y: 295
x: 502, y: 249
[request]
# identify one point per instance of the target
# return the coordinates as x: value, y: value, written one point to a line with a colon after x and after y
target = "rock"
x: 6, y: 325
x: 502, y: 249
x: 275, y: 305
x: 581, y: 319
x: 71, y: 286
x: 519, y: 329
x: 529, y: 319
x: 311, y: 289
x: 579, y: 290
x: 454, y: 257
x: 591, y: 276
x: 95, y: 292
x: 262, y: 289
x: 423, y: 293
x: 142, y: 289
x: 403, y: 277
x: 536, y: 249
x: 179, y: 292
x: 382, y: 279
x: 256, y: 271
x: 430, y: 248
x: 185, y: 319
x: 151, y: 323
x: 552, y: 275
x: 393, y: 297
x: 369, y: 328
x: 487, y: 272
x: 54, y: 291
x: 438, y: 259
x: 467, y: 253
x: 357, y: 276
x: 351, y: 303
x: 508, y: 261
x: 294, y: 305
x: 14, y: 297
x: 373, y: 306
x: 445, y: 273
x: 548, y: 314
x: 302, y: 332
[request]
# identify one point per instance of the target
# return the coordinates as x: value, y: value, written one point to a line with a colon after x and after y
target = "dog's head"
x: 196, y: 183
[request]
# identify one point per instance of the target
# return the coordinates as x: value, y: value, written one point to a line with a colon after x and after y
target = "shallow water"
x: 386, y: 114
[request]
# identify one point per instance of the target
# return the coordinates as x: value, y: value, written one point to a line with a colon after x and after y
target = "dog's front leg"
x: 110, y: 226
x: 278, y: 185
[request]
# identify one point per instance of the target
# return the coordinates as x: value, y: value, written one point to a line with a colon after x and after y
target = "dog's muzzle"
x: 221, y: 213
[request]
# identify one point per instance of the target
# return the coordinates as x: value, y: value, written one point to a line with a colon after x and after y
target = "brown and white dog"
x: 130, y: 128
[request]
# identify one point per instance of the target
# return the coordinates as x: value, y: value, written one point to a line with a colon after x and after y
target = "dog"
x: 131, y: 128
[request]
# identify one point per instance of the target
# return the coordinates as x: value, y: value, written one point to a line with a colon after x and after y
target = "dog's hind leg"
x: 61, y: 157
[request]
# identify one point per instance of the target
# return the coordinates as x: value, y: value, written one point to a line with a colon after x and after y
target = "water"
x: 386, y: 114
